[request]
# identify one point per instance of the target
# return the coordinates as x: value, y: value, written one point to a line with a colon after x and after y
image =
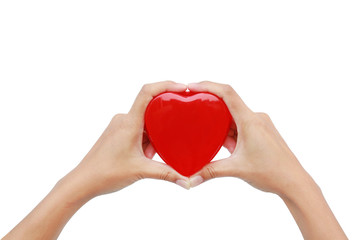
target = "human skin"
x: 261, y: 157
x: 123, y: 153
x: 121, y: 156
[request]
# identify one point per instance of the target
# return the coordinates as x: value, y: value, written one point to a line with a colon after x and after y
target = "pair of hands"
x: 123, y: 153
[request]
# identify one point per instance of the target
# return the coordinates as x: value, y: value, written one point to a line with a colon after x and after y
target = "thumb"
x: 162, y: 171
x: 219, y: 168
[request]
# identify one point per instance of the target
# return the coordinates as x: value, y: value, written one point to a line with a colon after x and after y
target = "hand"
x: 123, y: 153
x: 259, y: 156
x: 121, y: 156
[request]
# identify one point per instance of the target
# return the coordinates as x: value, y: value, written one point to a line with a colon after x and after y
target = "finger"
x: 145, y: 138
x: 158, y: 170
x: 232, y: 132
x: 230, y: 144
x: 149, y: 151
x: 148, y: 91
x: 145, y: 141
x: 219, y: 168
x: 237, y: 107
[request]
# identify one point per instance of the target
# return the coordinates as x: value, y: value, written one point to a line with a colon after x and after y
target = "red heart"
x: 187, y: 129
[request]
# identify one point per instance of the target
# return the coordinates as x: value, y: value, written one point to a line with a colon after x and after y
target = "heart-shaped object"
x: 187, y: 129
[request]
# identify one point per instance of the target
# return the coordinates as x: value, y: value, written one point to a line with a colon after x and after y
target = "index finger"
x: 150, y: 90
x: 237, y: 107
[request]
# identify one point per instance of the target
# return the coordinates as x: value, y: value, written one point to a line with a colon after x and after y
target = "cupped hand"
x: 259, y: 155
x: 122, y: 155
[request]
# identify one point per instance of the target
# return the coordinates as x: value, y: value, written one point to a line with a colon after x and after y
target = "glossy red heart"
x: 187, y: 129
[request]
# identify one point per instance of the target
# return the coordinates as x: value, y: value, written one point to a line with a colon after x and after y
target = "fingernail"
x: 195, y: 181
x: 183, y: 183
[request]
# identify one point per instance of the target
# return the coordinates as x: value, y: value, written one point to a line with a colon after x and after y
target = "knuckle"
x: 211, y: 171
x: 205, y: 82
x: 121, y: 121
x: 118, y: 117
x: 165, y: 175
x: 227, y: 89
x: 261, y: 121
x: 146, y: 88
x: 263, y: 115
x: 168, y: 82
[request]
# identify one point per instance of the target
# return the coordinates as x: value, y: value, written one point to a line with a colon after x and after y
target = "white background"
x: 66, y: 67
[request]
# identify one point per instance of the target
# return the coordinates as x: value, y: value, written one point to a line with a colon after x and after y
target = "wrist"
x: 302, y: 186
x: 75, y: 189
x: 311, y: 212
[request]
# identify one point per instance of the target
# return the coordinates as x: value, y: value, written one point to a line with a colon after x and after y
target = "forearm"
x: 50, y: 216
x: 311, y: 211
